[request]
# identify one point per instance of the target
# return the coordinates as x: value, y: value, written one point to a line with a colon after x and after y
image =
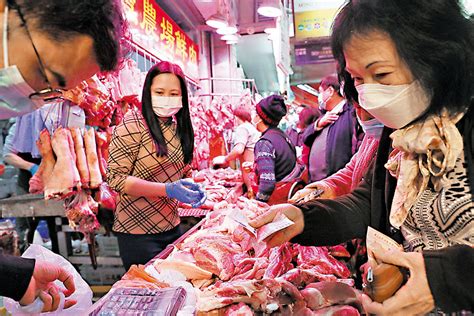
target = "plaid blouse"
x: 132, y: 152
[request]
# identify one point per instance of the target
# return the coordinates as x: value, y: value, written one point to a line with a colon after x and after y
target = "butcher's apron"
x: 283, y: 187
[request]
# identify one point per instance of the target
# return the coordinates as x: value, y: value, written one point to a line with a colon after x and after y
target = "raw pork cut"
x: 45, y: 170
x: 64, y: 178
x: 92, y: 158
x: 81, y: 156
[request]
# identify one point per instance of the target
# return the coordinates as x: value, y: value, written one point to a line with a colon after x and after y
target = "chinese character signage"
x: 154, y: 30
x: 314, y: 18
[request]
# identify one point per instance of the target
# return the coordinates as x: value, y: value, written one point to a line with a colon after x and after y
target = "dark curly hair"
x: 433, y: 37
x: 100, y: 19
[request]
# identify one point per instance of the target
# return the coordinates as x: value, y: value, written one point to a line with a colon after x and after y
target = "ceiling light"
x: 232, y: 42
x: 270, y: 8
x: 216, y: 21
x: 230, y: 37
x: 230, y: 29
x: 270, y: 30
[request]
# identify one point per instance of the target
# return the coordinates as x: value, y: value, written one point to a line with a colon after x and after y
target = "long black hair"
x: 433, y: 37
x: 185, y: 128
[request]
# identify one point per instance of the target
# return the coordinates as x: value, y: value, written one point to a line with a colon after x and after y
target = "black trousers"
x: 141, y: 248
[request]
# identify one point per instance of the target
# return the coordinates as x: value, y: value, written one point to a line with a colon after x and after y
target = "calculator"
x: 142, y: 302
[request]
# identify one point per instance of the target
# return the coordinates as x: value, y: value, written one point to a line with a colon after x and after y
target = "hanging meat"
x: 65, y: 177
x: 102, y: 151
x: 45, y: 170
x: 92, y: 158
x: 81, y: 156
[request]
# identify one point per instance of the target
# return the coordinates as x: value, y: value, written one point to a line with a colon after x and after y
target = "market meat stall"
x: 233, y: 272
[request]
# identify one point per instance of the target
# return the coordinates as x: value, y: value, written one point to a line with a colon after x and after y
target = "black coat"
x: 342, y: 140
x: 15, y: 276
x: 330, y: 222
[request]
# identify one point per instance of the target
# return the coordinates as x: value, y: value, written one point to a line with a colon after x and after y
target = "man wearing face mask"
x: 48, y: 46
x: 51, y: 45
x: 333, y: 138
x: 347, y: 179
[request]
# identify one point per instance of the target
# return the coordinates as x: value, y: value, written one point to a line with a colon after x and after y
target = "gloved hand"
x: 33, y: 169
x: 186, y: 191
x: 219, y: 161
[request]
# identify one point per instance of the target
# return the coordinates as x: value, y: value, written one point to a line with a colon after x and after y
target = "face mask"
x: 166, y: 106
x: 394, y: 106
x: 256, y: 121
x: 14, y: 91
x: 372, y: 128
x: 321, y: 101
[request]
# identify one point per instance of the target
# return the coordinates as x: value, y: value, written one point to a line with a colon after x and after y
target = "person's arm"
x: 10, y: 154
x: 451, y: 277
x: 18, y: 162
x: 331, y: 222
x: 265, y: 160
x: 341, y: 182
x: 15, y: 276
x: 240, y: 140
x: 123, y: 153
x: 237, y: 151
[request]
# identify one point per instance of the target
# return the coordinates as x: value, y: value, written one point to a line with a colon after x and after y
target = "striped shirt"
x: 132, y: 152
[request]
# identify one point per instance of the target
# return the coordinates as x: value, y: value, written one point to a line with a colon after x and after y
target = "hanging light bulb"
x: 227, y: 30
x: 217, y: 21
x: 270, y: 8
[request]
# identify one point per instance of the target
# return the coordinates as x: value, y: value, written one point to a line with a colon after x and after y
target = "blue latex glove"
x: 186, y: 191
x: 33, y: 169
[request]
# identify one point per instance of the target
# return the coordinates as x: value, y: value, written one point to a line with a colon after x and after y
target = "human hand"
x: 186, y: 191
x: 300, y: 195
x: 412, y: 298
x: 42, y: 285
x: 327, y: 119
x: 219, y: 161
x: 307, y: 194
x: 33, y: 169
x: 292, y: 212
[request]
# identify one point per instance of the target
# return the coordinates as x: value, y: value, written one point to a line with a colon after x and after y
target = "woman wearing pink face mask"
x: 415, y: 75
x: 150, y: 154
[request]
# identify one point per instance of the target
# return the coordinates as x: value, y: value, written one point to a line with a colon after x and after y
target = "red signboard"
x: 154, y: 30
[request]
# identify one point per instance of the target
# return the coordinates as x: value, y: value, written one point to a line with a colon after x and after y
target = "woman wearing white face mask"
x: 417, y: 80
x: 150, y: 152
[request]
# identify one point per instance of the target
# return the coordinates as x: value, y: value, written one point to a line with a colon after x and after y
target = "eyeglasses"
x: 49, y: 94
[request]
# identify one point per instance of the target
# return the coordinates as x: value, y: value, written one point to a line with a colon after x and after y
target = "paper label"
x: 376, y: 238
x: 237, y: 216
x: 280, y: 222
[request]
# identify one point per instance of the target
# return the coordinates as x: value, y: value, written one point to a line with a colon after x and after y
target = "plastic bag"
x: 107, y: 197
x: 83, y: 293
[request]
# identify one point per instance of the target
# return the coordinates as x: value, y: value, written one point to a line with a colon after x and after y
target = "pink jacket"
x: 349, y: 177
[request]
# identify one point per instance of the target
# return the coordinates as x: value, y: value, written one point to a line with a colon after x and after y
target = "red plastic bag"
x: 107, y: 197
